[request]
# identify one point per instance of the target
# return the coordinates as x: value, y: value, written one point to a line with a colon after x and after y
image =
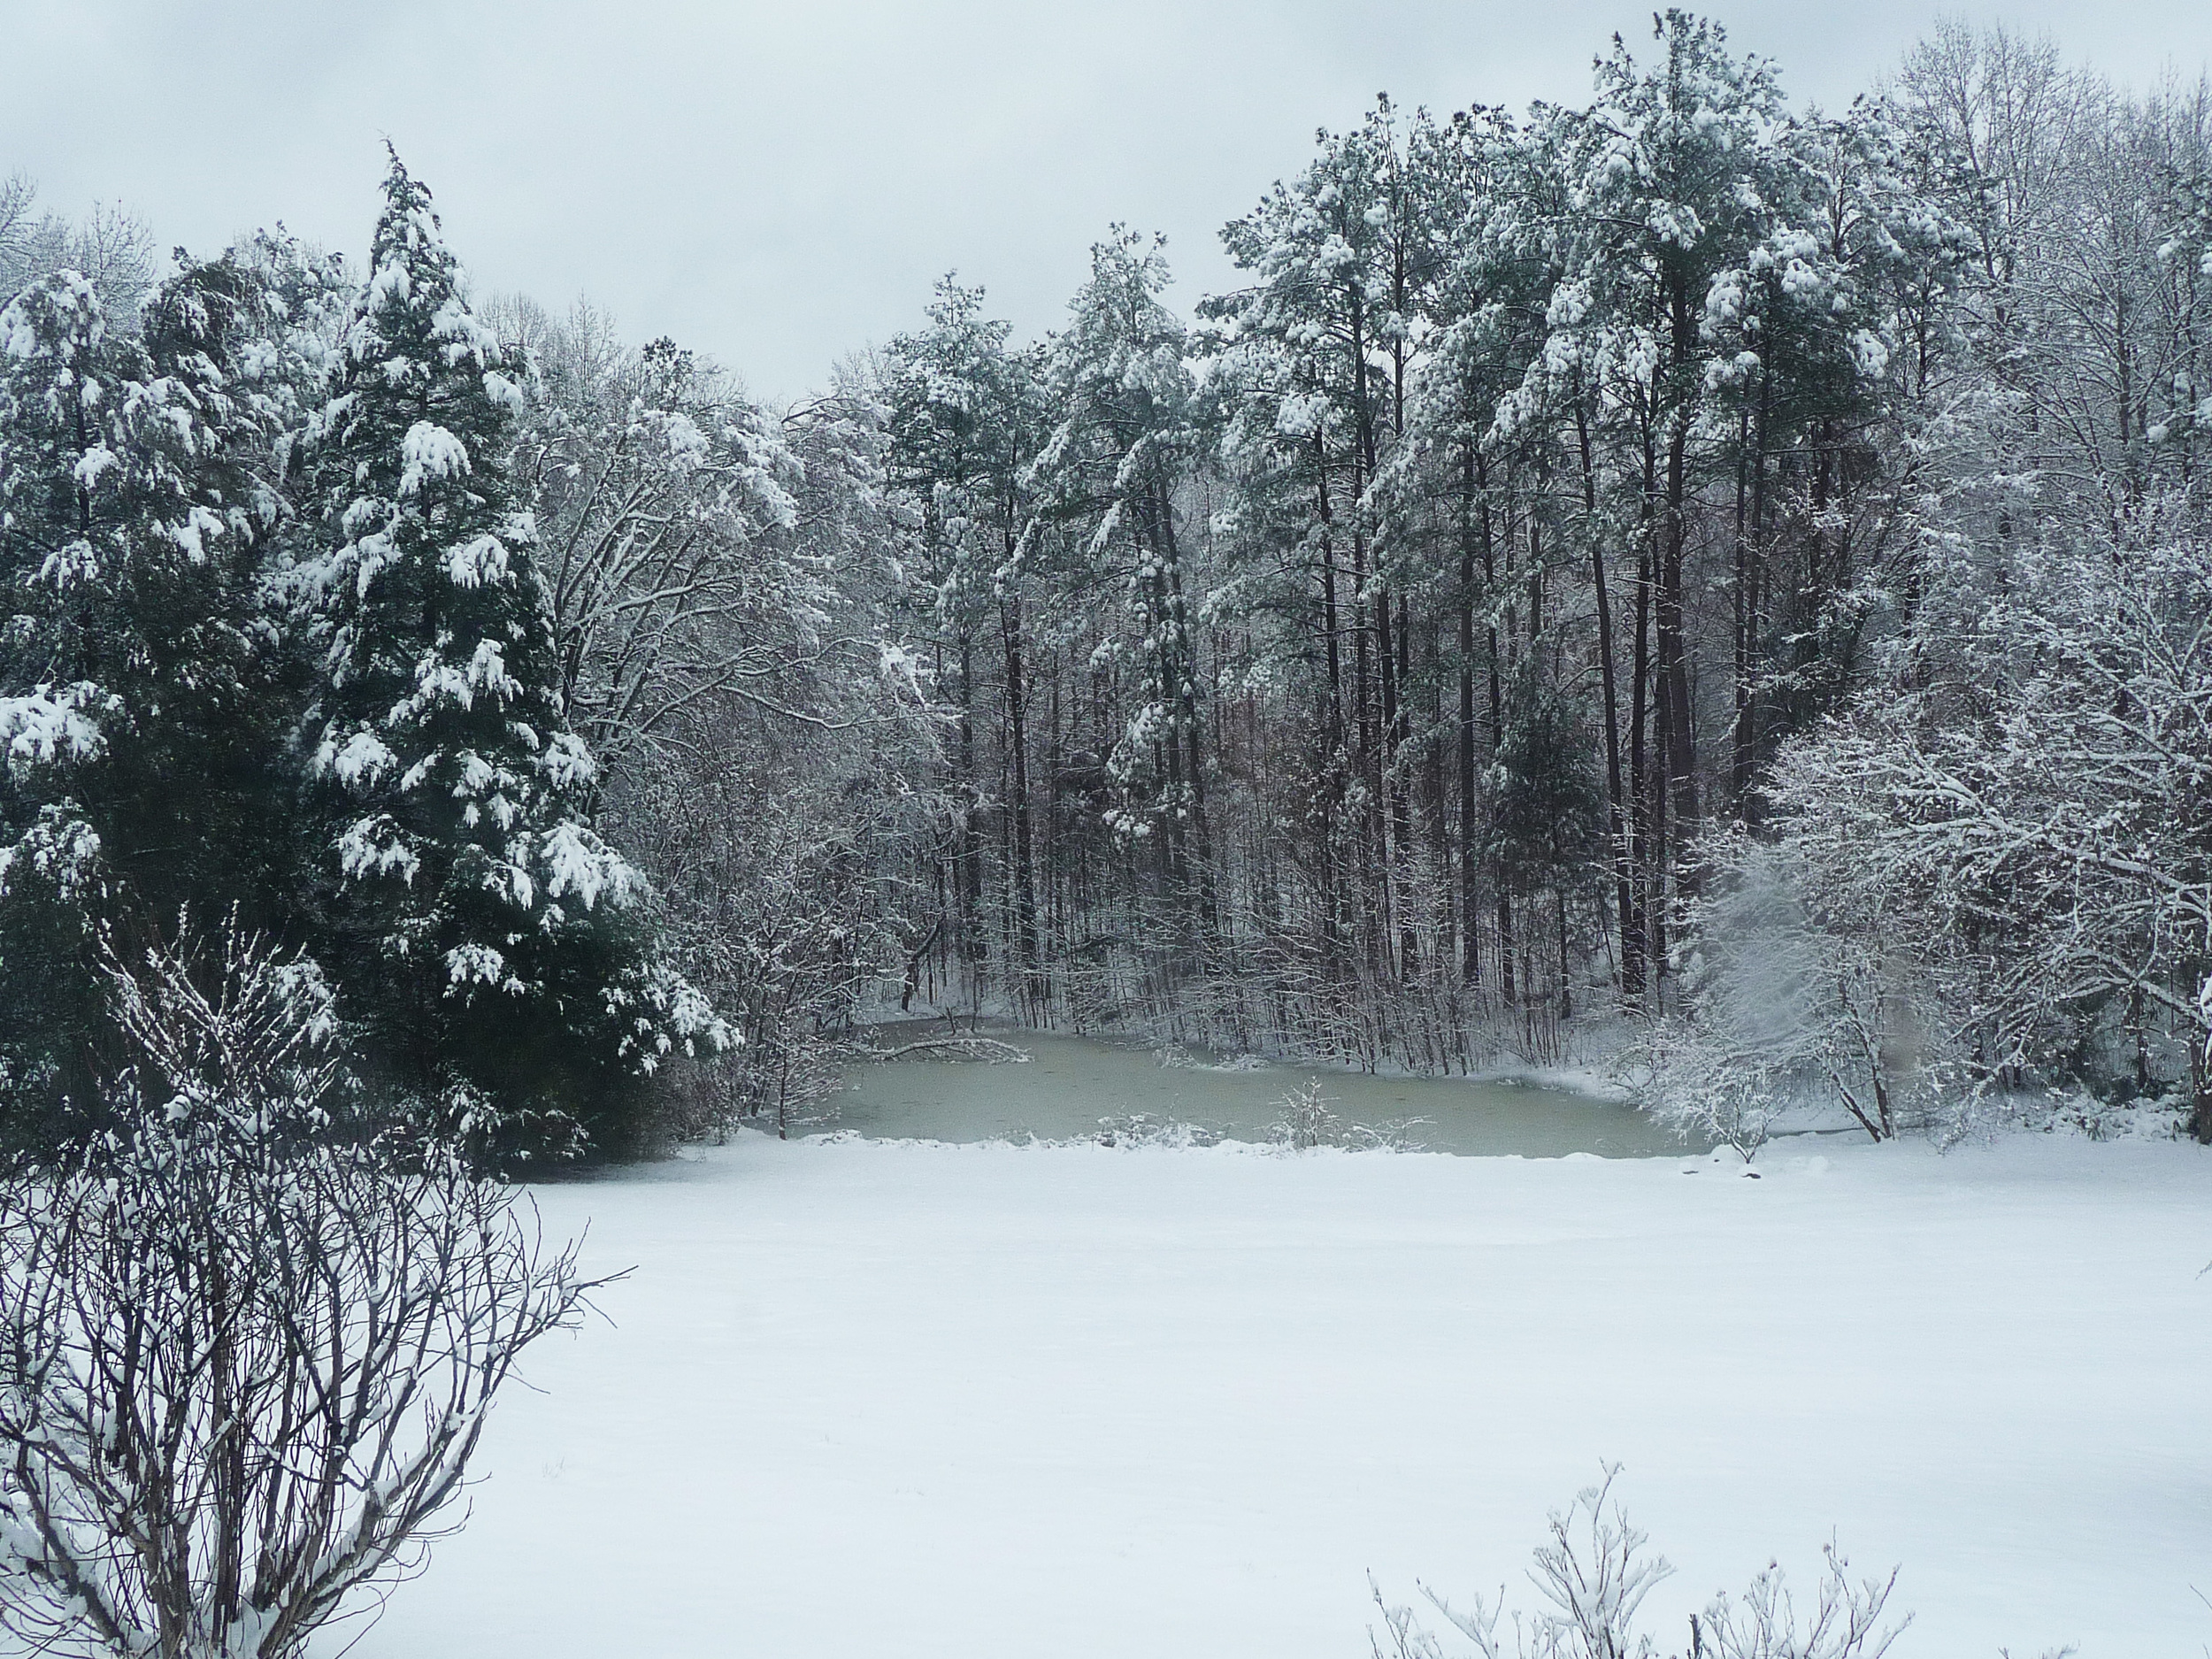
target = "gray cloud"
x: 780, y: 184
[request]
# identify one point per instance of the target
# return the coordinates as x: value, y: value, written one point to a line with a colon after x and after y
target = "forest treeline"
x: 1678, y: 572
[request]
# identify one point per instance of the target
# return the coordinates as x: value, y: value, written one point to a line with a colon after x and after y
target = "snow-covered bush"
x: 248, y: 1340
x: 1593, y: 1574
x: 1143, y: 1129
x: 1308, y: 1120
x: 1703, y: 1091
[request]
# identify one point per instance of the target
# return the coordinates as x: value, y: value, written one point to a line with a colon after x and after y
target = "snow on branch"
x: 248, y: 1341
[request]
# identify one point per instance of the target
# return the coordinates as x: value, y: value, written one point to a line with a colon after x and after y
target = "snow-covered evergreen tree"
x: 137, y: 709
x: 1124, y: 443
x: 61, y: 512
x: 483, y: 938
x: 967, y: 417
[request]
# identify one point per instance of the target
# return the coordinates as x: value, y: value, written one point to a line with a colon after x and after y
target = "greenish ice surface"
x: 1072, y: 1083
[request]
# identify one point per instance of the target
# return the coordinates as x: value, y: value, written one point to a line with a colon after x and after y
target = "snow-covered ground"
x: 901, y: 1400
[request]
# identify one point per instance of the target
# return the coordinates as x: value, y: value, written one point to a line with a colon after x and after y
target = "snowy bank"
x: 895, y: 1399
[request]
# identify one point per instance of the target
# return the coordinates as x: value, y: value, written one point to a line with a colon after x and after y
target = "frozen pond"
x: 1072, y: 1082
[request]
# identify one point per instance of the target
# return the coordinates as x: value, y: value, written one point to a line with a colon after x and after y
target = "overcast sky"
x: 778, y: 184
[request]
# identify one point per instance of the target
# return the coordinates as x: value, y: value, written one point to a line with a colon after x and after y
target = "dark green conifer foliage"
x: 486, y: 943
x: 137, y: 717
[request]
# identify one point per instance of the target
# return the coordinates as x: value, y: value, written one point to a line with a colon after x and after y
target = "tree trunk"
x: 1626, y: 920
x: 1497, y: 736
x: 1469, y: 808
x: 1033, y: 989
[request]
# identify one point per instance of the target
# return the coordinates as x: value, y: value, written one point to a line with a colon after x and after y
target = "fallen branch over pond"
x: 988, y: 1050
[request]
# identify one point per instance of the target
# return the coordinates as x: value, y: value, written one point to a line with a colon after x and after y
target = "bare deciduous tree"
x: 111, y: 247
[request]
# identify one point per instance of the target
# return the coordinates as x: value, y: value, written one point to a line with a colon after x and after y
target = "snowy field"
x: 904, y: 1401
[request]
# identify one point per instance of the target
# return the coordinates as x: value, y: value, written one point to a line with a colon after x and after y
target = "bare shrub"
x: 247, y: 1340
x: 1308, y: 1120
x: 1594, y: 1573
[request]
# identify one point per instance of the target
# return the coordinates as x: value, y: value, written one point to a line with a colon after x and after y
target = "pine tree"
x: 135, y: 705
x: 966, y: 420
x: 1124, y: 442
x: 486, y: 942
